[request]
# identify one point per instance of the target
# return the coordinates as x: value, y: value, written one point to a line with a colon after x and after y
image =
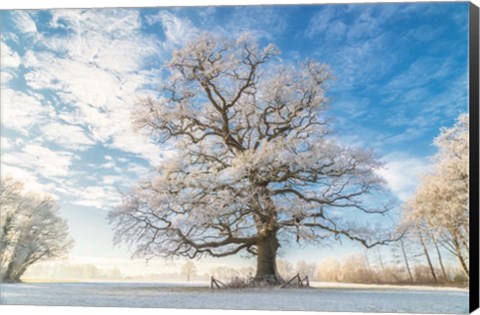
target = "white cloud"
x: 47, y: 162
x: 6, y: 143
x: 117, y: 22
x: 128, y: 141
x: 176, y: 29
x: 421, y: 108
x: 322, y: 20
x: 30, y: 180
x: 48, y: 172
x: 113, y: 179
x: 261, y: 21
x: 82, y: 81
x: 422, y: 71
x: 97, y: 73
x: 409, y: 134
x: 138, y: 170
x: 89, y: 75
x: 9, y: 58
x: 107, y: 39
x: 5, y: 77
x: 402, y: 173
x: 21, y: 111
x: 41, y: 160
x: 23, y: 22
x: 68, y: 136
x: 101, y: 197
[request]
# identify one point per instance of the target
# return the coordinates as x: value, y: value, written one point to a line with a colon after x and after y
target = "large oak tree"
x: 254, y: 163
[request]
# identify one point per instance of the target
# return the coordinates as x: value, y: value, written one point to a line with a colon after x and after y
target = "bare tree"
x: 31, y: 230
x: 189, y: 269
x: 255, y: 162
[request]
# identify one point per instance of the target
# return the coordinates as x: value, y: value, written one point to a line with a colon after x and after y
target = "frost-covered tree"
x: 329, y: 269
x: 440, y: 203
x: 355, y: 269
x: 406, y: 252
x: 305, y: 269
x: 31, y: 230
x: 255, y: 162
x: 189, y: 269
x: 285, y: 269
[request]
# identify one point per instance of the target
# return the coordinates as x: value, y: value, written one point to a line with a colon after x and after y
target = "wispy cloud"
x: 83, y: 74
x: 94, y: 71
x: 261, y: 21
x: 21, y: 111
x: 31, y: 181
x: 392, y: 58
x: 100, y: 197
x: 325, y: 20
x: 402, y: 173
x: 22, y: 20
x: 10, y: 59
x: 72, y: 137
x: 177, y: 30
x: 41, y: 160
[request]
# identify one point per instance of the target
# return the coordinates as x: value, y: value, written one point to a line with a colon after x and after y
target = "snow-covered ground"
x: 319, y: 298
x: 338, y: 285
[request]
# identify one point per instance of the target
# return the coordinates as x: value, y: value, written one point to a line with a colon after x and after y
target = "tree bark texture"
x: 266, y: 259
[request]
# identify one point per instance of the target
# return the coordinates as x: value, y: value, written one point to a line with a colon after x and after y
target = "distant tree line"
x: 372, y: 267
x: 68, y: 271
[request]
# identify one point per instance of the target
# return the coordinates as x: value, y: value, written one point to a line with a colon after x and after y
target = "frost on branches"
x: 440, y: 204
x: 255, y: 162
x: 31, y: 230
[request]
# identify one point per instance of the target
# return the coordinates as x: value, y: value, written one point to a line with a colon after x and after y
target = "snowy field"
x: 319, y: 298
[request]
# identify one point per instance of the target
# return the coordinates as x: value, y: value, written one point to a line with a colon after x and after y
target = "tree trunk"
x: 461, y: 259
x: 444, y: 272
x: 427, y: 255
x: 8, y: 276
x: 266, y: 260
x: 464, y: 265
x: 372, y: 275
x: 382, y: 266
x: 405, y: 258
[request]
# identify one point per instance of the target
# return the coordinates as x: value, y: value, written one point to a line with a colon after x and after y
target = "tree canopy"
x: 440, y: 204
x: 254, y: 159
x: 31, y: 230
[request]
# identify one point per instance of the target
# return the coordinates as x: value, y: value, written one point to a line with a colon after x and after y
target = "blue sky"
x: 69, y: 79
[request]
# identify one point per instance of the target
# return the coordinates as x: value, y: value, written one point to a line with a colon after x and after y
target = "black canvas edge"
x: 474, y: 158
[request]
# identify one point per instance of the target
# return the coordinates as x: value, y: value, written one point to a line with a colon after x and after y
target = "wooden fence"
x: 216, y: 283
x: 296, y: 281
